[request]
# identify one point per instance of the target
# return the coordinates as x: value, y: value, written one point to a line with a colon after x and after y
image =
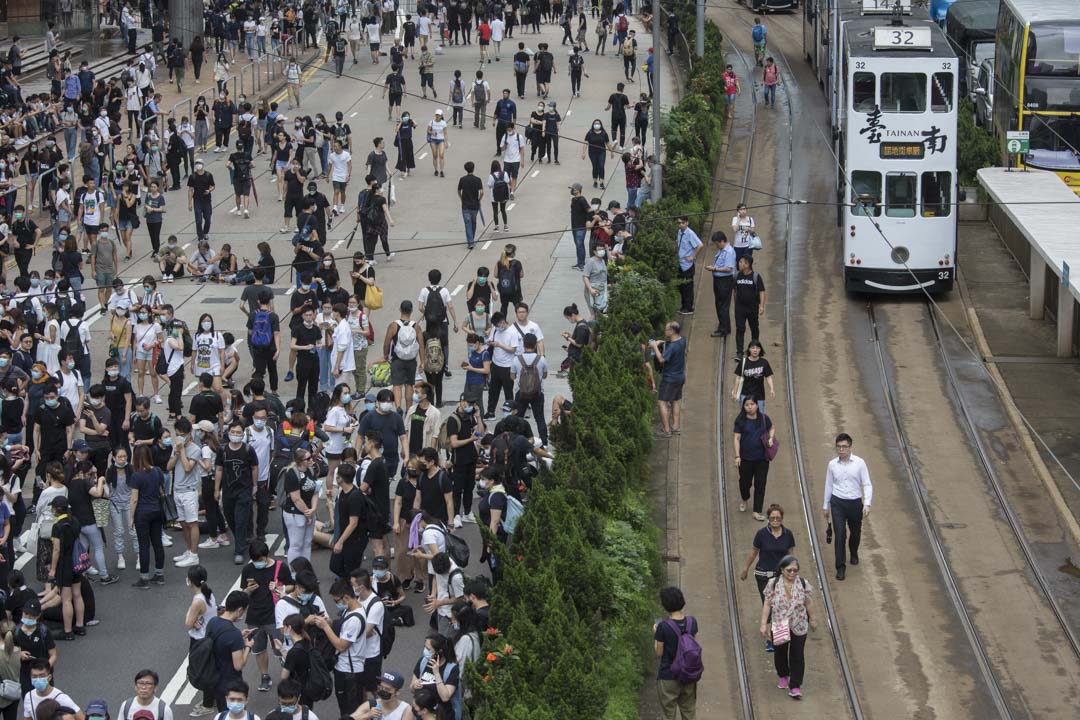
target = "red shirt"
x: 484, y: 31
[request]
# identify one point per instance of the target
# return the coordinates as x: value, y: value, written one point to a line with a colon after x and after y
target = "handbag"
x: 168, y: 502
x: 10, y: 690
x: 161, y: 365
x: 781, y: 632
x: 373, y: 297
x: 770, y: 451
x: 754, y: 243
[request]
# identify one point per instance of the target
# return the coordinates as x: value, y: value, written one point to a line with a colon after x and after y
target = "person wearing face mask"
x: 27, y: 234
x: 36, y: 645
x: 172, y: 362
x: 306, y: 341
x: 183, y: 463
x: 293, y: 704
x: 118, y: 477
x: 464, y: 428
x: 375, y: 628
x: 300, y: 504
x: 209, y: 352
x: 595, y: 277
x: 373, y: 481
x: 70, y: 382
x: 350, y: 642
x: 234, y: 486
x: 480, y: 290
x: 390, y: 427
x: 260, y: 437
x: 436, y: 679
x: 387, y: 703
x: 200, y: 186
x: 200, y: 612
x: 263, y: 580
x: 42, y: 690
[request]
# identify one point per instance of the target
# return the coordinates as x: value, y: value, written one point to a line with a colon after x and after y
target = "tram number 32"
x: 943, y: 275
x: 902, y: 37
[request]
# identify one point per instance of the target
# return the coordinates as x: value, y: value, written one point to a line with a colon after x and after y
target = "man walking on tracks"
x: 847, y: 495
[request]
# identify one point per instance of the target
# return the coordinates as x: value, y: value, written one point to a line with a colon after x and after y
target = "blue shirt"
x: 674, y: 361
x: 688, y: 243
x: 725, y: 258
x: 477, y: 360
x: 648, y: 64
x: 505, y: 110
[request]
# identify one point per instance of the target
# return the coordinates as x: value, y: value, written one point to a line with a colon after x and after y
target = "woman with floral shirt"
x: 788, y: 596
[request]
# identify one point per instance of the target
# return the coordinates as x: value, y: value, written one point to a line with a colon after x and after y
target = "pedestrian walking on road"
x: 789, y: 599
x: 599, y: 147
x: 579, y: 216
x: 689, y: 245
x: 848, y: 492
x: 672, y: 359
x: 749, y: 302
x: 744, y: 229
x: 772, y: 544
x: 754, y: 435
x: 754, y: 374
x: 470, y: 190
x: 723, y: 273
x: 438, y: 138
x: 678, y: 699
x: 403, y: 141
x: 770, y: 76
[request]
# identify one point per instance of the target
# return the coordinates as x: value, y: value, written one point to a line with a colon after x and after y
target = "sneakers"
x: 246, y: 213
x: 796, y: 694
x: 289, y: 376
x: 235, y: 210
x: 191, y: 560
x: 457, y: 522
x: 769, y: 647
x: 166, y: 540
x: 167, y: 278
x: 158, y: 579
x: 468, y: 517
x: 202, y: 710
x: 209, y: 544
x: 109, y: 580
x: 742, y: 507
x: 224, y: 540
x: 759, y: 517
x: 238, y: 560
x: 181, y: 556
x: 506, y: 228
x: 157, y: 399
x: 265, y: 683
x: 783, y: 684
x: 120, y: 564
x: 390, y: 257
x: 141, y: 584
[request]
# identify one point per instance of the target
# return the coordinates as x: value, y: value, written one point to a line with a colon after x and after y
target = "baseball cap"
x: 100, y: 708
x: 393, y: 679
x: 575, y: 186
x: 380, y: 561
x: 371, y: 397
x: 32, y: 607
x: 206, y: 426
x: 80, y: 445
x: 60, y: 502
x: 143, y: 715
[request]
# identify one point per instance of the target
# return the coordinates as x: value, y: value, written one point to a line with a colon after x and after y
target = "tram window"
x: 863, y: 90
x: 941, y: 93
x: 866, y: 193
x: 903, y: 92
x: 936, y: 194
x: 900, y: 195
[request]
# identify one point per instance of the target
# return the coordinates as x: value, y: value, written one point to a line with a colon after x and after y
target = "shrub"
x: 977, y: 148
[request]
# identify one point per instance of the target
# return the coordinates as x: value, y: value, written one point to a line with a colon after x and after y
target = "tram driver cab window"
x: 863, y: 91
x: 866, y: 193
x: 903, y: 92
x: 900, y: 195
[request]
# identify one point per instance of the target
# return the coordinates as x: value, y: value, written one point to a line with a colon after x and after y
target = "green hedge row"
x: 572, y: 615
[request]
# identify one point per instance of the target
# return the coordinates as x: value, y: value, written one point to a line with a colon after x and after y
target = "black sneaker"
x: 80, y: 631
x: 265, y: 684
x: 448, y: 373
x: 109, y: 580
x: 419, y: 588
x: 158, y: 579
x: 141, y: 584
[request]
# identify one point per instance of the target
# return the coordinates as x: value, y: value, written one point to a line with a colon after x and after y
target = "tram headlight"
x: 900, y: 255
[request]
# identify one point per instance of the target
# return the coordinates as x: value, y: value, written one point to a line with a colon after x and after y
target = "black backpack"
x: 396, y: 83
x: 29, y: 314
x: 435, y: 308
x: 387, y: 635
x: 319, y: 684
x: 202, y: 669
x: 320, y: 407
x: 73, y: 342
x: 456, y: 547
x: 508, y: 279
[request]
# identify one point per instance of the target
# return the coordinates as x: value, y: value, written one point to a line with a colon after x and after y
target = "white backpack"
x: 406, y: 345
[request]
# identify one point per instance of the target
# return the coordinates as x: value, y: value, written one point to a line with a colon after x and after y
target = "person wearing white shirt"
x: 145, y: 701
x: 41, y: 680
x: 505, y: 343
x: 449, y: 589
x: 340, y: 161
x: 374, y: 614
x: 498, y: 31
x: 512, y: 144
x: 848, y: 493
x: 342, y: 359
x: 423, y: 28
x: 529, y: 359
x: 305, y: 594
x: 350, y: 643
x: 524, y: 326
x: 374, y: 35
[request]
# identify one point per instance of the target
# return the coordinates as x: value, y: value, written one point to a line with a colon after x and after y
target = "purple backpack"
x: 686, y: 666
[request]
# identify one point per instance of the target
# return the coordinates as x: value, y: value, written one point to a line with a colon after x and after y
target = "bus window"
x: 863, y: 90
x: 900, y: 195
x: 903, y: 92
x: 941, y: 93
x: 866, y: 193
x: 1053, y: 50
x: 936, y: 194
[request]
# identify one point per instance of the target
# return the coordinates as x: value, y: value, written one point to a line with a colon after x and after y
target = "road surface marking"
x: 337, y: 244
x: 511, y: 206
x: 486, y: 245
x: 190, y: 387
x: 535, y: 173
x: 95, y: 313
x: 290, y: 290
x: 185, y: 246
x: 422, y: 156
x: 354, y: 114
x: 458, y: 289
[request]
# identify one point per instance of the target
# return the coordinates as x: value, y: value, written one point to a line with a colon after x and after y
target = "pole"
x: 699, y: 41
x: 657, y: 170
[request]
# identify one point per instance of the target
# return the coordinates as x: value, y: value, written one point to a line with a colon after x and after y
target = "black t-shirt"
x: 470, y: 188
x: 116, y: 394
x: 598, y: 141
x: 462, y: 427
x: 261, y: 609
x: 306, y: 336
x: 416, y: 430
x: 772, y: 549
x: 352, y: 505
x: 664, y: 634
x: 407, y: 492
x: 753, y: 373
x: 294, y: 184
x: 79, y: 499
x: 241, y: 166
x: 297, y: 301
x: 52, y: 425
x: 432, y: 491
x: 206, y: 406
x: 390, y: 425
x: 295, y: 481
x: 66, y: 531
x: 580, y: 335
x: 200, y: 185
x: 237, y: 466
x: 579, y: 212
x: 747, y: 289
x: 492, y: 501
x: 378, y: 480
x: 147, y: 429
x: 227, y: 640
x: 38, y: 643
x: 374, y: 209
x: 618, y: 102
x: 298, y: 662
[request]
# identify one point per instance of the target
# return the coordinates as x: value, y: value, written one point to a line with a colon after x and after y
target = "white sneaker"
x: 390, y: 257
x: 120, y: 564
x: 166, y: 540
x: 469, y: 518
x: 246, y: 213
x: 457, y: 521
x: 191, y: 560
x: 234, y: 210
x: 92, y: 572
x: 209, y: 544
x: 157, y: 399
x: 181, y: 556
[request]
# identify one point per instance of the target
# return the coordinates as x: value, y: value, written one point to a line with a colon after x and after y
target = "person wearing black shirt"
x: 262, y: 579
x: 470, y: 189
x: 316, y: 204
x: 53, y: 425
x: 33, y: 638
x: 305, y: 344
x: 207, y: 404
x: 434, y: 487
x: 231, y: 647
x: 119, y: 398
x: 463, y: 428
x: 749, y: 301
x: 617, y: 103
x: 240, y: 164
x: 294, y: 192
x: 234, y: 485
x: 580, y: 211
x: 27, y: 234
x: 145, y: 426
x: 353, y: 520
x: 374, y: 481
x: 200, y: 186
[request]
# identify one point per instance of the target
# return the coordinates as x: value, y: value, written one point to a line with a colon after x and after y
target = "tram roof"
x: 975, y: 19
x: 1040, y: 11
x: 860, y: 39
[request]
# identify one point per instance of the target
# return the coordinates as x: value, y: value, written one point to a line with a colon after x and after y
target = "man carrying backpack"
x: 435, y: 302
x: 480, y: 93
x: 628, y: 50
x: 528, y: 370
x: 264, y: 339
x: 679, y: 656
x: 544, y: 63
x: 402, y: 347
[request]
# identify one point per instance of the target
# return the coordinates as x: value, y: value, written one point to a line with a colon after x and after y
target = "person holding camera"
x: 672, y: 358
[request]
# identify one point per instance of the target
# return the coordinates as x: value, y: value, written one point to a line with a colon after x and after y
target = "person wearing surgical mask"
x: 599, y: 146
x: 237, y: 467
x: 260, y: 438
x: 301, y: 502
x: 339, y: 422
x: 41, y: 682
x: 595, y: 278
x: 200, y: 612
x: 70, y: 380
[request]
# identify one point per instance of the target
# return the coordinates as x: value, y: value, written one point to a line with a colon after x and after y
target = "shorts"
x: 437, y: 141
x: 512, y: 168
x: 104, y: 279
x: 402, y: 372
x: 242, y: 188
x: 263, y: 634
x: 484, y: 43
x: 339, y: 185
x: 292, y: 204
x: 187, y: 506
x: 123, y: 225
x: 141, y: 354
x: 395, y: 99
x: 543, y: 77
x: 334, y: 456
x: 91, y: 229
x: 730, y: 97
x: 670, y: 391
x: 410, y: 41
x: 280, y: 165
x: 374, y: 47
x: 474, y: 393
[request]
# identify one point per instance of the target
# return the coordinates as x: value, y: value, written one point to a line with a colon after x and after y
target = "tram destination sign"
x: 900, y: 37
x: 885, y: 7
x: 902, y: 151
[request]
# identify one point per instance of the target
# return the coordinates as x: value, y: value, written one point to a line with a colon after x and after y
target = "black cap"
x: 32, y: 607
x: 380, y: 562
x: 312, y: 187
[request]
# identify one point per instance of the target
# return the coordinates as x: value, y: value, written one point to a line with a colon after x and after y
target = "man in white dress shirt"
x: 848, y: 493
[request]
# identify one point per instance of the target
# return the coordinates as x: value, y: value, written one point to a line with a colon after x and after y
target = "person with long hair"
x: 508, y: 276
x: 297, y: 664
x: 62, y: 573
x: 217, y: 534
x: 147, y: 337
x: 118, y: 478
x: 147, y: 483
x: 753, y: 433
x: 10, y: 668
x: 300, y: 505
x: 599, y: 146
x: 202, y: 610
x: 499, y: 187
x: 208, y: 354
x: 438, y: 670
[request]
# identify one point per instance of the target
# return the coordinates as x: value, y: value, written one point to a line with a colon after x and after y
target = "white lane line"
x: 185, y: 246
x: 568, y: 113
x: 187, y: 696
x: 177, y: 682
x: 95, y: 313
x: 422, y: 156
x: 458, y: 289
x: 190, y: 387
x: 511, y: 206
x: 535, y: 173
x: 240, y: 341
x: 486, y: 245
x: 24, y: 560
x: 337, y: 244
x: 354, y: 114
x: 290, y: 290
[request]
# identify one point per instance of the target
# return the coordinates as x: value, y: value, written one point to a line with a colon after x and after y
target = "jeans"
x: 119, y: 516
x: 204, y: 209
x: 770, y: 95
x: 326, y: 382
x: 469, y: 216
x: 597, y: 158
x: 301, y: 531
x: 91, y: 535
x: 579, y: 245
x: 722, y: 288
x: 631, y: 197
x: 846, y: 517
x: 238, y: 514
x: 148, y: 527
x: 71, y: 140
x: 790, y: 661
